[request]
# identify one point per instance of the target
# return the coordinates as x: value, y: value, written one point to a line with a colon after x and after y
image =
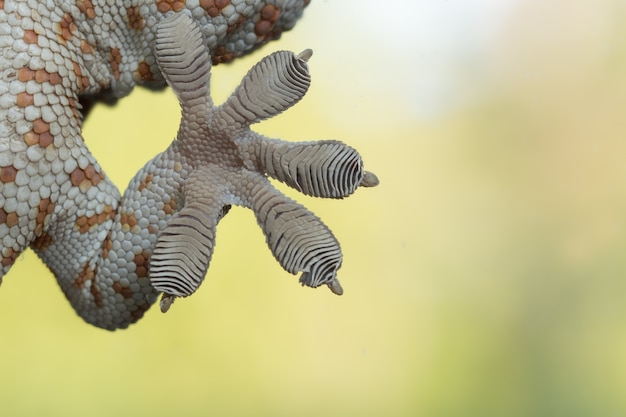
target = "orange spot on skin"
x: 97, y: 297
x: 167, y: 5
x: 107, y: 245
x: 24, y: 99
x: 106, y: 215
x: 11, y: 219
x: 169, y: 208
x: 88, y: 274
x: 86, y: 7
x: 116, y: 59
x: 270, y: 12
x: 143, y: 72
x: 45, y: 139
x: 42, y: 242
x: 77, y: 177
x: 82, y: 81
x: 39, y: 126
x: 124, y: 291
x: 75, y: 112
x: 139, y: 312
x: 128, y: 219
x: 135, y: 19
x: 25, y: 74
x: 93, y: 288
x: 8, y: 174
x: 46, y: 207
x: 142, y: 261
x: 85, y: 224
x: 221, y: 55
x: 41, y: 76
x: 264, y: 27
x: 55, y: 78
x: 31, y: 138
x: 145, y: 183
x: 8, y: 218
x: 85, y: 275
x: 81, y: 223
x: 9, y: 258
x: 127, y: 292
x: 86, y: 47
x: 92, y: 175
x: 66, y: 28
x: 85, y: 178
x: 30, y: 36
x: 40, y: 135
x: 214, y: 7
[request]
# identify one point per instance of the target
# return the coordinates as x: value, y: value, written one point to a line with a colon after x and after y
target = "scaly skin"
x: 55, y: 198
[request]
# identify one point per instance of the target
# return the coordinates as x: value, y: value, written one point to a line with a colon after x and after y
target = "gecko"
x: 113, y: 255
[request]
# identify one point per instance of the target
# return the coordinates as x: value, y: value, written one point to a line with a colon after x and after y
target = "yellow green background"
x: 485, y: 276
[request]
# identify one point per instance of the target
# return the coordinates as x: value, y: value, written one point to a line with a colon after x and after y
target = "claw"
x: 166, y: 302
x: 335, y: 287
x: 305, y: 55
x: 369, y: 180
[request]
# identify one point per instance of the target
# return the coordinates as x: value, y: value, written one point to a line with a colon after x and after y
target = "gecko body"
x: 112, y: 256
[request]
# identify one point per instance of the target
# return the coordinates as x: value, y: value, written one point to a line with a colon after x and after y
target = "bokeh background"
x: 485, y: 276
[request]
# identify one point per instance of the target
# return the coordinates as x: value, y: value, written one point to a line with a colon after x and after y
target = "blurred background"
x: 485, y: 276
